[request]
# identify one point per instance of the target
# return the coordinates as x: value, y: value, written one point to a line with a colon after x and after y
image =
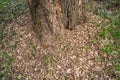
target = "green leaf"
x: 13, y: 60
x: 5, y: 54
x: 104, y: 33
x: 47, y: 59
x: 2, y: 76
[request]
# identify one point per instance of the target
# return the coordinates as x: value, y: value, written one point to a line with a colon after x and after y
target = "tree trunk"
x: 50, y: 17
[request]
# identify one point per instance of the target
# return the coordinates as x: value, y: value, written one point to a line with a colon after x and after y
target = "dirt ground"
x: 76, y: 56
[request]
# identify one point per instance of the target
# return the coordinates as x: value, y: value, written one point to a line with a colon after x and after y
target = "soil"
x: 76, y: 56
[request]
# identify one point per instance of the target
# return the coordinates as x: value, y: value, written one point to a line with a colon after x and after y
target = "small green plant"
x: 47, y: 59
x: 101, y: 12
x: 6, y: 65
x: 66, y: 47
x: 108, y: 49
x: 1, y: 35
x: 104, y: 33
x: 100, y: 74
x: 65, y: 78
x: 87, y: 47
x: 97, y: 59
x: 5, y: 54
x: 32, y: 47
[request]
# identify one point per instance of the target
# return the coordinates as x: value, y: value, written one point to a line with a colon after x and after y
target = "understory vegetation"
x: 108, y: 10
x: 9, y: 10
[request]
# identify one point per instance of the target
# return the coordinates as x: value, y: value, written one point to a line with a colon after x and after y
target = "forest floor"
x: 89, y: 52
x: 77, y: 56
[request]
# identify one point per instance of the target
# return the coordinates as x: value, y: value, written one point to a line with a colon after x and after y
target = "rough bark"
x: 71, y: 10
x: 51, y: 16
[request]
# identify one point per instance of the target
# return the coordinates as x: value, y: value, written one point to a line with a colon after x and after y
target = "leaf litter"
x: 77, y: 56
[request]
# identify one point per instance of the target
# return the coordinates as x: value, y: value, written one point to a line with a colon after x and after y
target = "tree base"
x: 51, y: 17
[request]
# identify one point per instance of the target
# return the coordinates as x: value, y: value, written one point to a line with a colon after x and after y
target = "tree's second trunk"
x: 71, y: 10
x: 51, y: 16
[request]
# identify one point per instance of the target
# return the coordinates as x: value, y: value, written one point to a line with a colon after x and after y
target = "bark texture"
x: 50, y: 17
x: 71, y: 10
